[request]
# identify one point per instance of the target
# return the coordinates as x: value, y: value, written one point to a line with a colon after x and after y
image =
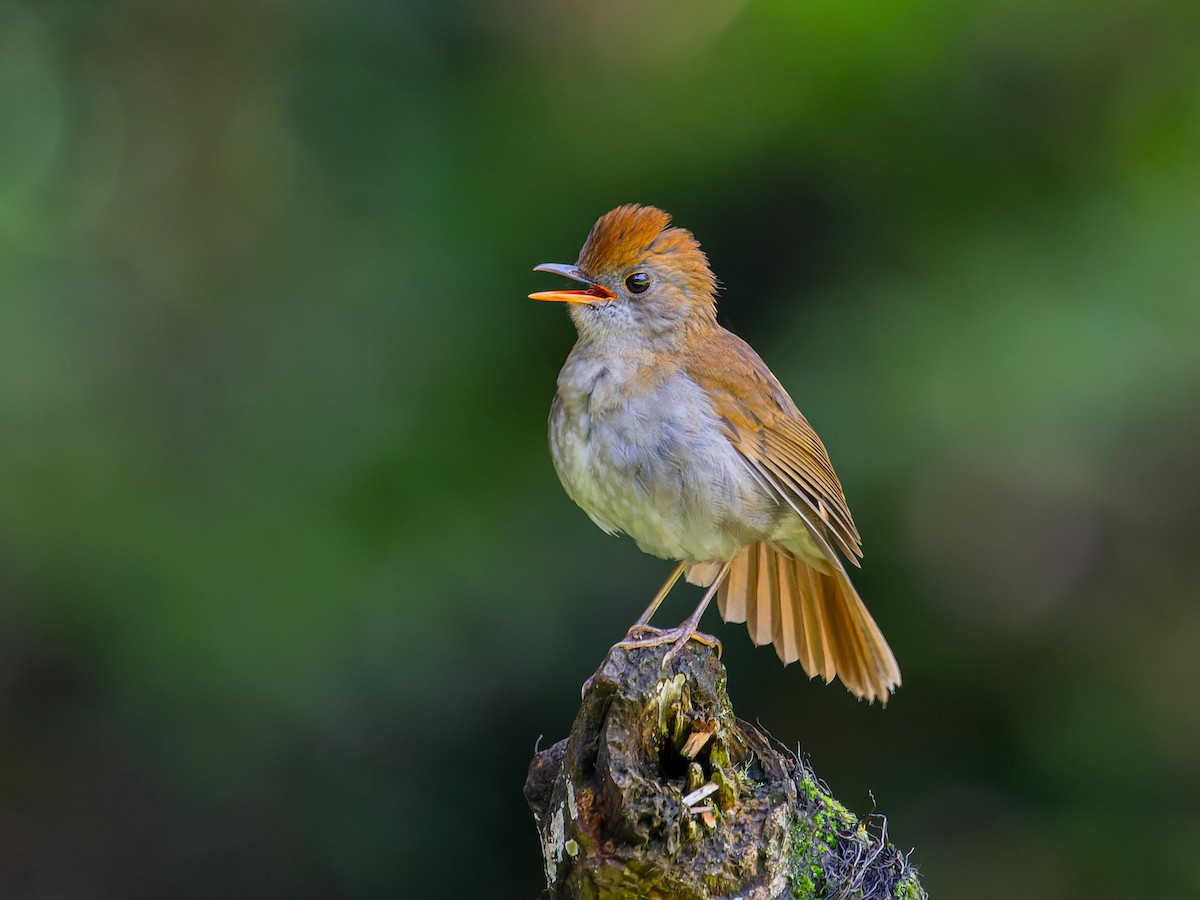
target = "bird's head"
x: 646, y: 281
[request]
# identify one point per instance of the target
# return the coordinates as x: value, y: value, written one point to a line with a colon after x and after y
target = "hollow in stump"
x: 661, y: 791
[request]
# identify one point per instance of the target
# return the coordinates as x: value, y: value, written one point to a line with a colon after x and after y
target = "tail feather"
x: 852, y: 665
x: 813, y: 617
x: 815, y: 643
x: 764, y: 603
x: 752, y: 615
x: 785, y: 627
x: 731, y: 598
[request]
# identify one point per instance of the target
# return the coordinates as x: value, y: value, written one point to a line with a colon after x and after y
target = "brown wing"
x: 782, y: 449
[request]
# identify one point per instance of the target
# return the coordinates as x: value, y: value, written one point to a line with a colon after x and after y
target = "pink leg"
x: 689, y: 627
x: 681, y: 634
x: 642, y: 625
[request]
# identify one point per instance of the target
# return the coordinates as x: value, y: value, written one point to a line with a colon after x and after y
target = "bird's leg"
x: 681, y: 634
x: 642, y: 626
x: 641, y: 633
x: 688, y: 628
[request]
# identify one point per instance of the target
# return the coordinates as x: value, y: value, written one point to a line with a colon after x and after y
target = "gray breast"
x: 654, y: 465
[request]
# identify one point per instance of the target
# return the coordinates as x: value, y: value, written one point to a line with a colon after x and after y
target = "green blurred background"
x: 288, y: 587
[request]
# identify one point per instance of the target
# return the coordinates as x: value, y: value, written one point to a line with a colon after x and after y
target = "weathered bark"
x: 609, y: 800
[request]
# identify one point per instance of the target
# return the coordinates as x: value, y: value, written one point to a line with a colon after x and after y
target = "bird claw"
x: 655, y: 637
x: 636, y: 631
x: 641, y: 636
x: 676, y: 637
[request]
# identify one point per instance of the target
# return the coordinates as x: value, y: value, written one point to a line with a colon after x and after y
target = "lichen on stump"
x: 661, y: 791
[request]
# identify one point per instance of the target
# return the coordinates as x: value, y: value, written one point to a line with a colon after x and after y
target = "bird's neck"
x: 666, y: 345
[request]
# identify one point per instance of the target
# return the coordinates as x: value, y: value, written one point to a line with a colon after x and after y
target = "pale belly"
x: 656, y: 467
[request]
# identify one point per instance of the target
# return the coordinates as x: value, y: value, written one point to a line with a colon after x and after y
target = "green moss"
x: 907, y: 888
x: 826, y: 839
x: 812, y: 842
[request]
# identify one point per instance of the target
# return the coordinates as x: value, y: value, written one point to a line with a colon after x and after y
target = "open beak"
x: 593, y: 295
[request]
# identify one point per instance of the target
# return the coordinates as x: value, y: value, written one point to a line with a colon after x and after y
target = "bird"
x: 671, y: 429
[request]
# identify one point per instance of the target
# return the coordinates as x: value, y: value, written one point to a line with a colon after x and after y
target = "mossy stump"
x: 660, y: 791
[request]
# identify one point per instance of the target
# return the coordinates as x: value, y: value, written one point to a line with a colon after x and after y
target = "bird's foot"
x: 649, y: 636
x: 639, y: 632
x: 640, y: 636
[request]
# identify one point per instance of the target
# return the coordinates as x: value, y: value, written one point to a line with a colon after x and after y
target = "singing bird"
x: 671, y: 429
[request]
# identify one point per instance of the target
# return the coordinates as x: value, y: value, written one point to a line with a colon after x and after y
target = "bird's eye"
x: 637, y: 282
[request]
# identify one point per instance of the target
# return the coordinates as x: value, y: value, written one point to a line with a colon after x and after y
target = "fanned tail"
x: 811, y: 616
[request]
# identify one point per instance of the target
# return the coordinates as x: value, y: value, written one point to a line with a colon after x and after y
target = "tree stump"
x: 661, y: 791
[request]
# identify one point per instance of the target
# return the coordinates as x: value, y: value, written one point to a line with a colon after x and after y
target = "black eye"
x: 637, y: 282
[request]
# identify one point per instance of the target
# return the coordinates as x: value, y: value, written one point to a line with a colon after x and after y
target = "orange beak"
x: 593, y: 295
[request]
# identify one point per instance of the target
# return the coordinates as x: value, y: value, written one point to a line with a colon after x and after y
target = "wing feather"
x: 771, y: 435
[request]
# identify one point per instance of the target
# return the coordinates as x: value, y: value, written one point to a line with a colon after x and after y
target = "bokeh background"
x: 288, y: 587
